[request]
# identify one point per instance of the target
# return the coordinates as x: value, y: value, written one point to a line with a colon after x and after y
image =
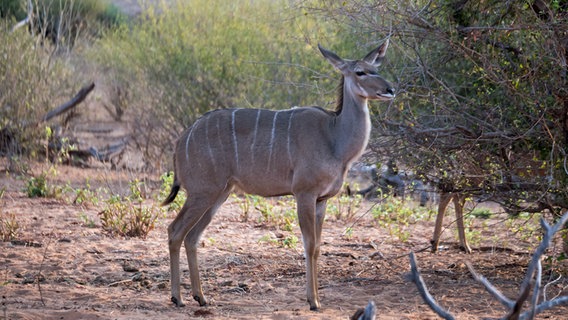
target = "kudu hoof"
x: 466, y: 249
x: 177, y: 302
x: 202, y: 302
x: 434, y: 246
x: 314, y: 306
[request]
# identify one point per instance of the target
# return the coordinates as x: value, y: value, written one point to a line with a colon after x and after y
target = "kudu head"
x: 361, y: 76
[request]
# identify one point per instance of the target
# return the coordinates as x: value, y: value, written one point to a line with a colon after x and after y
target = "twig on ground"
x: 39, y: 275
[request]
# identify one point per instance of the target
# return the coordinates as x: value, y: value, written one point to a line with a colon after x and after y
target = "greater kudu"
x: 301, y: 151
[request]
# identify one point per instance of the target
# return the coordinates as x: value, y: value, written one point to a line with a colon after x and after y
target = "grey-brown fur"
x: 301, y: 151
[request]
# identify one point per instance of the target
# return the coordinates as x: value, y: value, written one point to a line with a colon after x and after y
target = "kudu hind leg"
x: 309, y: 228
x: 191, y: 241
x: 192, y: 211
x: 459, y: 203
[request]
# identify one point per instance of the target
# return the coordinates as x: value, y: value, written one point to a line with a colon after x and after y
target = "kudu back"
x: 304, y: 152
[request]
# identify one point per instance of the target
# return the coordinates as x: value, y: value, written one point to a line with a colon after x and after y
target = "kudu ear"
x: 334, y: 59
x: 376, y: 56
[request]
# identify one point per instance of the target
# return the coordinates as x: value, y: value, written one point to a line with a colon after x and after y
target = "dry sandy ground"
x: 62, y: 269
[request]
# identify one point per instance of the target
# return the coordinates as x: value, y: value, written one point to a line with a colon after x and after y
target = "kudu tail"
x: 175, y: 189
x: 173, y: 193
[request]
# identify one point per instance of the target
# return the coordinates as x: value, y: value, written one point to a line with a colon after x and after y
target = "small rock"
x: 130, y: 268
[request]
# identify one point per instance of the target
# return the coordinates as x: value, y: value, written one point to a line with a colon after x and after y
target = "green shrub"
x: 289, y: 241
x: 184, y: 60
x: 37, y: 186
x: 12, y: 9
x: 63, y: 22
x: 393, y: 215
x: 344, y: 207
x: 167, y: 181
x: 22, y: 104
x: 129, y: 216
x: 482, y: 213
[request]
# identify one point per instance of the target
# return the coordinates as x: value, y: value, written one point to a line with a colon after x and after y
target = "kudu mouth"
x: 389, y: 95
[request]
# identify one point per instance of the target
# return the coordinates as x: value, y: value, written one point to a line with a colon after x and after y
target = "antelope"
x: 459, y: 200
x: 519, y: 174
x: 304, y: 152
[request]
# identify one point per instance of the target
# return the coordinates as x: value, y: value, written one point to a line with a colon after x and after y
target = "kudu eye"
x: 360, y: 73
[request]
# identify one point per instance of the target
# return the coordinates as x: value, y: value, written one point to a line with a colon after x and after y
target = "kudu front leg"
x: 310, y: 226
x: 445, y: 199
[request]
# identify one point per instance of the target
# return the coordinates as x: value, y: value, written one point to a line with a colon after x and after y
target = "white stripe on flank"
x: 221, y: 145
x: 288, y: 138
x: 209, y: 150
x: 189, y: 137
x: 235, y: 137
x: 271, y: 143
x: 255, y: 133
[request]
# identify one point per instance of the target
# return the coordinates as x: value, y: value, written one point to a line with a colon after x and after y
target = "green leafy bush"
x: 12, y: 9
x: 184, y: 60
x: 63, y: 22
x: 129, y: 216
x: 396, y: 217
x: 37, y: 186
x: 167, y: 181
x: 23, y: 63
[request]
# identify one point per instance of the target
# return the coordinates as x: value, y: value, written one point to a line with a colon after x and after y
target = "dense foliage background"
x: 482, y: 104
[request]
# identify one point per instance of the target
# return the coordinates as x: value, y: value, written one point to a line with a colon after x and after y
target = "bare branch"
x: 548, y: 305
x: 367, y: 313
x: 534, y: 270
x: 549, y: 233
x: 423, y: 290
x: 78, y: 98
x: 515, y: 312
x: 536, y: 290
x: 545, y: 243
x: 491, y: 288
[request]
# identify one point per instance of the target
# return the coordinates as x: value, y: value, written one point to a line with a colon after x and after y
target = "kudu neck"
x: 345, y: 96
x: 353, y: 124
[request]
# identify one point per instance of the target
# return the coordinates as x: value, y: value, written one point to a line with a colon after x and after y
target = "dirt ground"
x: 60, y: 268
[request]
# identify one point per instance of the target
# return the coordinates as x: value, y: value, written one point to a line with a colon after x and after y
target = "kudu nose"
x: 390, y: 90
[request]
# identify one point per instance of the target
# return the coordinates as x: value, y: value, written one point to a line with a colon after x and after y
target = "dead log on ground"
x: 532, y: 279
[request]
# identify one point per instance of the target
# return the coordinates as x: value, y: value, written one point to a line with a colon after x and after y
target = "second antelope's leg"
x: 459, y: 202
x: 309, y: 225
x: 198, y: 206
x: 445, y: 198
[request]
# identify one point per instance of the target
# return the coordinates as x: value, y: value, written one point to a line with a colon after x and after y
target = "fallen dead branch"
x: 78, y: 98
x: 367, y: 313
x: 532, y: 278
